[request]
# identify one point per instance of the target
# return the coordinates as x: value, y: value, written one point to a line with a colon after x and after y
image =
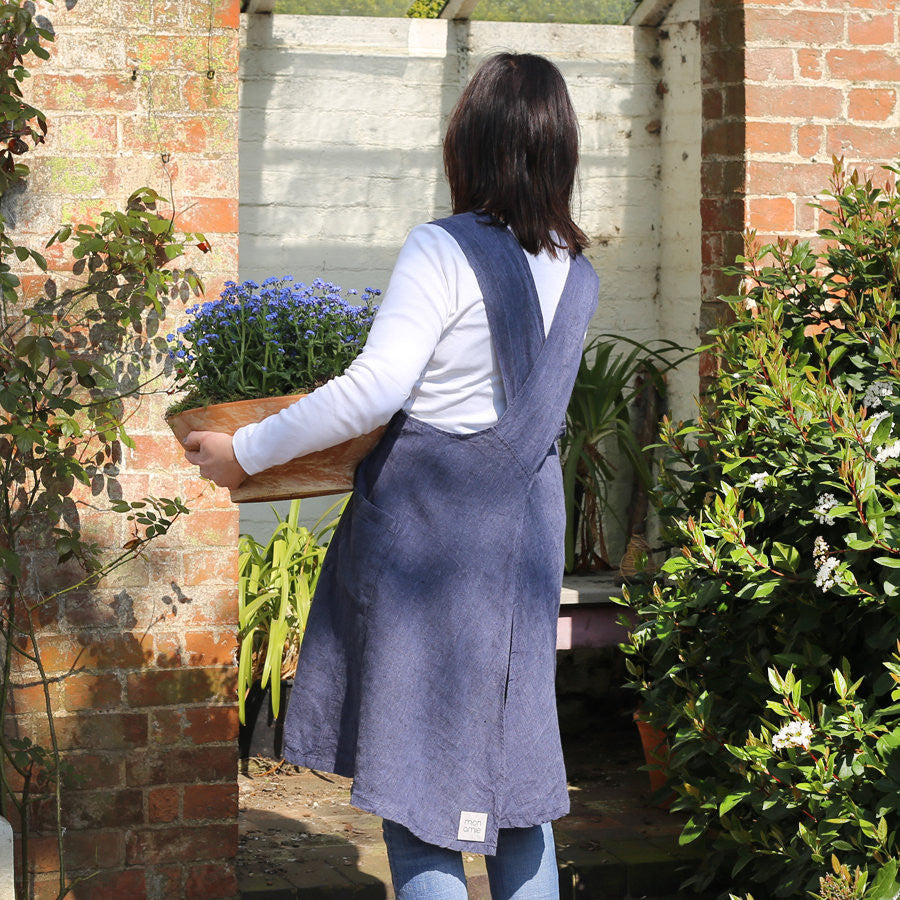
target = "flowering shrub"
x: 267, y: 340
x: 765, y: 645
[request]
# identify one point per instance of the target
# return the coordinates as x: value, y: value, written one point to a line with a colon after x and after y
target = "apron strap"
x: 538, y: 374
x: 510, y: 297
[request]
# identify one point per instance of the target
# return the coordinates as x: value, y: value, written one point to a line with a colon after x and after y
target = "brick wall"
x: 143, y: 92
x: 787, y: 85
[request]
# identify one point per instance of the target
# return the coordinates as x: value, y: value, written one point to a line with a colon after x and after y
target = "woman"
x: 427, y: 668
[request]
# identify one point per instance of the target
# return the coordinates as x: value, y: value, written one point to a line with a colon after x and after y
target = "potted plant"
x: 276, y: 582
x: 257, y: 349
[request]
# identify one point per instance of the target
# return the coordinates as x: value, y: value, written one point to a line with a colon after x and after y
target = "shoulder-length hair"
x: 511, y: 151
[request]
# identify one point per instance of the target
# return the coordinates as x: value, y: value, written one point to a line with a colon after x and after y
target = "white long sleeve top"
x: 429, y: 353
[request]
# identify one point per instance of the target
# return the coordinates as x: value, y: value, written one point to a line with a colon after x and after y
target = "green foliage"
x: 425, y: 9
x: 598, y: 423
x: 21, y: 125
x: 592, y: 12
x: 586, y: 12
x: 765, y: 647
x: 276, y: 584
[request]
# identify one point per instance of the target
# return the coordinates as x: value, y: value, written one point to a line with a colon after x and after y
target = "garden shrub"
x: 768, y: 645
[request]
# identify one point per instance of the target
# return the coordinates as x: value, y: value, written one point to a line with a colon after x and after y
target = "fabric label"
x: 472, y: 826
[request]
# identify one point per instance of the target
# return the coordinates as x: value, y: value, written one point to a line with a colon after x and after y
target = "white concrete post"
x: 7, y: 881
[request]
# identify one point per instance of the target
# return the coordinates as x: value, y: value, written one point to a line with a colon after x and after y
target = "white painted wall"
x: 340, y: 154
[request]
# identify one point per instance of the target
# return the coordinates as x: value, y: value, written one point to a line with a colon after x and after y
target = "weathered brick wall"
x: 143, y: 92
x: 786, y: 86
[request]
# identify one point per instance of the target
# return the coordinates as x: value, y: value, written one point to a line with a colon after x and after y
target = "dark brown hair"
x: 511, y: 151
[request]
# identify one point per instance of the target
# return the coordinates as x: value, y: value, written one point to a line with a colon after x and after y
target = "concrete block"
x: 7, y: 871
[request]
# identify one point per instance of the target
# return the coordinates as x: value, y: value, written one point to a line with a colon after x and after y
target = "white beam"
x: 650, y: 12
x: 458, y: 9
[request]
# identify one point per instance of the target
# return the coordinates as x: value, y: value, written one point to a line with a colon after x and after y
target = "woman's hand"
x: 214, y: 454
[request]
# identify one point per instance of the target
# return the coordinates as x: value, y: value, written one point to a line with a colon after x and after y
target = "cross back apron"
x: 427, y: 668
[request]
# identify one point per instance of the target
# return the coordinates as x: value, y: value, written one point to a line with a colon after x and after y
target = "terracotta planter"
x: 327, y: 471
x: 656, y: 751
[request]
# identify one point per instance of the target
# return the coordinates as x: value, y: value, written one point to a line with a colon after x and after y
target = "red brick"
x: 712, y: 103
x: 107, y: 651
x: 202, y: 842
x: 210, y: 528
x: 207, y: 134
x: 212, y: 724
x: 83, y: 92
x: 863, y: 65
x: 30, y: 698
x: 724, y: 138
x: 774, y: 178
x: 809, y: 139
x: 202, y: 93
x: 212, y: 215
x: 84, y: 850
x: 789, y: 26
x: 211, y: 882
x: 863, y: 142
x: 164, y: 881
x: 769, y: 64
x: 163, y: 804
x: 166, y: 688
x: 129, y: 884
x: 83, y: 810
x: 97, y: 770
x: 206, y: 648
x: 83, y: 134
x: 205, y: 566
x: 794, y: 102
x: 722, y: 66
x: 871, y: 29
x: 211, y: 801
x: 872, y: 104
x: 810, y: 63
x: 771, y: 214
x: 167, y: 650
x: 97, y: 730
x: 768, y: 137
x: 722, y: 177
x: 166, y: 725
x: 186, y: 765
x: 721, y: 215
x: 92, y: 692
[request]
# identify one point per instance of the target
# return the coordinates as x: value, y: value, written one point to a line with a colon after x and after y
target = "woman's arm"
x: 406, y: 329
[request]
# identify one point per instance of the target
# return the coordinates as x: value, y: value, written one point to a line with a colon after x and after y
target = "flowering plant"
x: 765, y: 645
x: 266, y: 340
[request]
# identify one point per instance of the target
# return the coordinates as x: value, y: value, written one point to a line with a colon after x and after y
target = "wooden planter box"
x: 327, y: 471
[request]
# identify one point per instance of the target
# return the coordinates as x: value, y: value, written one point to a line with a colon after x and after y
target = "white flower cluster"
x: 874, y: 393
x: 888, y: 451
x: 820, y: 513
x: 825, y: 564
x: 795, y: 734
x: 757, y: 480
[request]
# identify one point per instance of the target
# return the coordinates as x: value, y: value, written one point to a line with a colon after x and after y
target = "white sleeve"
x: 406, y: 329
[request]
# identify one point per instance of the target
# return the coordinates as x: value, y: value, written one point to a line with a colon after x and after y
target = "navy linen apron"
x: 427, y: 668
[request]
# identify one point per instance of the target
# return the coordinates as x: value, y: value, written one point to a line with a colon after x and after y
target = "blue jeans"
x: 524, y: 867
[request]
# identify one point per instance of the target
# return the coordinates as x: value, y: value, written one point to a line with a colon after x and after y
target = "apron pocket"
x: 367, y: 548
